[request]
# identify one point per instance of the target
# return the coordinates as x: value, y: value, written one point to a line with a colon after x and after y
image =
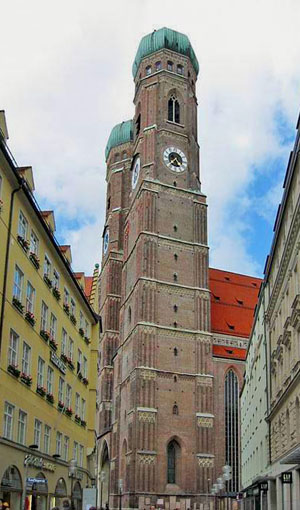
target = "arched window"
x: 173, y: 110
x: 170, y: 65
x: 175, y: 351
x: 232, y: 428
x: 117, y: 157
x: 180, y: 69
x: 148, y: 70
x: 173, y: 453
x: 175, y: 409
x: 158, y: 66
x: 129, y: 314
x: 124, y: 155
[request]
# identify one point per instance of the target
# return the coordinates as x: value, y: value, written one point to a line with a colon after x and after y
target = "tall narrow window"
x: 138, y: 125
x: 8, y: 421
x: 75, y: 451
x: 66, y: 448
x: 58, y: 443
x: 44, y: 317
x: 68, y: 396
x: 172, y: 453
x: 30, y: 294
x: 37, y: 432
x: 71, y: 348
x: 26, y: 359
x: 18, y: 283
x: 180, y: 69
x: 13, y: 348
x: 232, y: 428
x: 148, y: 70
x: 61, y: 384
x: 22, y: 427
x: 173, y: 110
x: 34, y: 243
x: 40, y: 373
x: 50, y: 375
x: 170, y: 65
x: 22, y: 226
x: 55, y: 279
x: 47, y: 267
x: 64, y: 340
x: 53, y: 326
x: 47, y: 433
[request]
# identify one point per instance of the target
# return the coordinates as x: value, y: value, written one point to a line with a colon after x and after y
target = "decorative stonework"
x: 234, y: 342
x: 204, y: 339
x: 205, y: 462
x: 204, y: 381
x: 147, y: 415
x: 205, y: 420
x: 145, y: 458
x: 148, y: 374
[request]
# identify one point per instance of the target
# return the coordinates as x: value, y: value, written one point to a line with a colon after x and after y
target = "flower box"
x: 71, y: 364
x: 81, y: 332
x: 18, y: 305
x: 85, y: 381
x: 45, y: 335
x: 53, y: 344
x: 41, y: 391
x: 24, y: 243
x: 56, y: 293
x: 66, y: 308
x: 27, y: 379
x: 34, y: 259
x: 73, y: 319
x: 47, y: 281
x: 13, y: 369
x: 69, y: 411
x: 64, y: 358
x: 79, y: 375
x: 60, y: 405
x: 87, y: 340
x: 77, y: 419
x: 83, y: 423
x: 50, y: 398
x: 30, y: 318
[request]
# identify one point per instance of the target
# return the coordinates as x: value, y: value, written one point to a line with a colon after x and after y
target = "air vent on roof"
x: 240, y: 301
x: 217, y: 298
x: 229, y: 351
x: 254, y: 284
x: 227, y: 278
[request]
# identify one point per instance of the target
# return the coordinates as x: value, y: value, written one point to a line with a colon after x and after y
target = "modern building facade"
x: 48, y: 346
x: 174, y: 332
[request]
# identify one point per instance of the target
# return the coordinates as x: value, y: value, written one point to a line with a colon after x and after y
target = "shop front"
x: 11, y: 487
x: 77, y: 496
x: 36, y: 493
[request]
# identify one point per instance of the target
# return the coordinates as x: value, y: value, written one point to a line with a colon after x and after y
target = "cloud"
x: 66, y: 81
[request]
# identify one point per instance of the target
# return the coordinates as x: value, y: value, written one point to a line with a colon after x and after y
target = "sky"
x: 65, y: 81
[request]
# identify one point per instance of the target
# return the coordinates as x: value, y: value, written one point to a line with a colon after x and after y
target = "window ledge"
x: 175, y: 123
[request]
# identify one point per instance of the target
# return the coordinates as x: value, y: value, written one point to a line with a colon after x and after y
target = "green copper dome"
x: 120, y: 134
x: 164, y: 38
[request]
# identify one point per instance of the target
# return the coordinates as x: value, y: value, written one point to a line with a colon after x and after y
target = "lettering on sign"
x: 57, y: 362
x: 287, y: 477
x: 31, y: 460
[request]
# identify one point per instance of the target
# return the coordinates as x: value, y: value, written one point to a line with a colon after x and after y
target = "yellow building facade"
x: 48, y: 366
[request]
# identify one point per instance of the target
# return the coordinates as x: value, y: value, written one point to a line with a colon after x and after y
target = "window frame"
x: 37, y: 432
x: 34, y: 243
x: 30, y: 299
x: 8, y: 421
x: 13, y: 351
x: 24, y: 425
x: 18, y: 286
x: 22, y: 225
x: 26, y: 358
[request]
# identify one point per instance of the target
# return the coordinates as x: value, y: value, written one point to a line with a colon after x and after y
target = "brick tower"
x: 155, y: 394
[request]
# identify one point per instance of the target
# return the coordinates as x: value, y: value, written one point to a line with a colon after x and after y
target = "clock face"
x: 175, y: 159
x: 105, y: 241
x: 135, y: 171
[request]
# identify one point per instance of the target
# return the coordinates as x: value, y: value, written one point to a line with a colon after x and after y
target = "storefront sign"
x: 287, y: 477
x: 263, y: 486
x: 57, y: 362
x: 31, y: 481
x: 38, y: 462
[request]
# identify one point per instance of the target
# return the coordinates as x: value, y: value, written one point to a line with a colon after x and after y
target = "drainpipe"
x: 6, y: 262
x: 268, y: 374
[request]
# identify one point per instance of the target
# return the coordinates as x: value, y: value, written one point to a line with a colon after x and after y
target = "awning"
x: 292, y: 457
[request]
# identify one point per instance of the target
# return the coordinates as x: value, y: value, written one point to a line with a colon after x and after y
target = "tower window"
x: 158, y: 66
x: 175, y: 228
x: 138, y: 125
x: 175, y: 184
x: 232, y: 428
x: 175, y: 351
x: 148, y: 70
x: 173, y: 110
x: 124, y: 155
x: 175, y: 324
x: 175, y: 257
x: 180, y: 69
x: 175, y: 378
x: 108, y: 203
x: 175, y: 308
x: 129, y: 314
x: 173, y: 454
x: 175, y: 409
x: 117, y: 157
x: 170, y: 65
x: 175, y: 277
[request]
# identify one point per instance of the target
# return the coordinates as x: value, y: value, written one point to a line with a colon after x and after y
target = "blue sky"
x: 64, y: 89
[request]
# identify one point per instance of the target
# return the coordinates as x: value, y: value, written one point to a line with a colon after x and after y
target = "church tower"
x: 155, y: 394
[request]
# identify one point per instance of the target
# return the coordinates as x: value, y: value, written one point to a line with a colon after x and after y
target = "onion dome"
x: 120, y: 134
x: 164, y: 38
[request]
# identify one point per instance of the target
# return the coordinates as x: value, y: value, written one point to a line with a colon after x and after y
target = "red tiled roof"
x: 78, y: 276
x: 223, y: 351
x: 64, y: 247
x: 88, y: 281
x: 233, y: 299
